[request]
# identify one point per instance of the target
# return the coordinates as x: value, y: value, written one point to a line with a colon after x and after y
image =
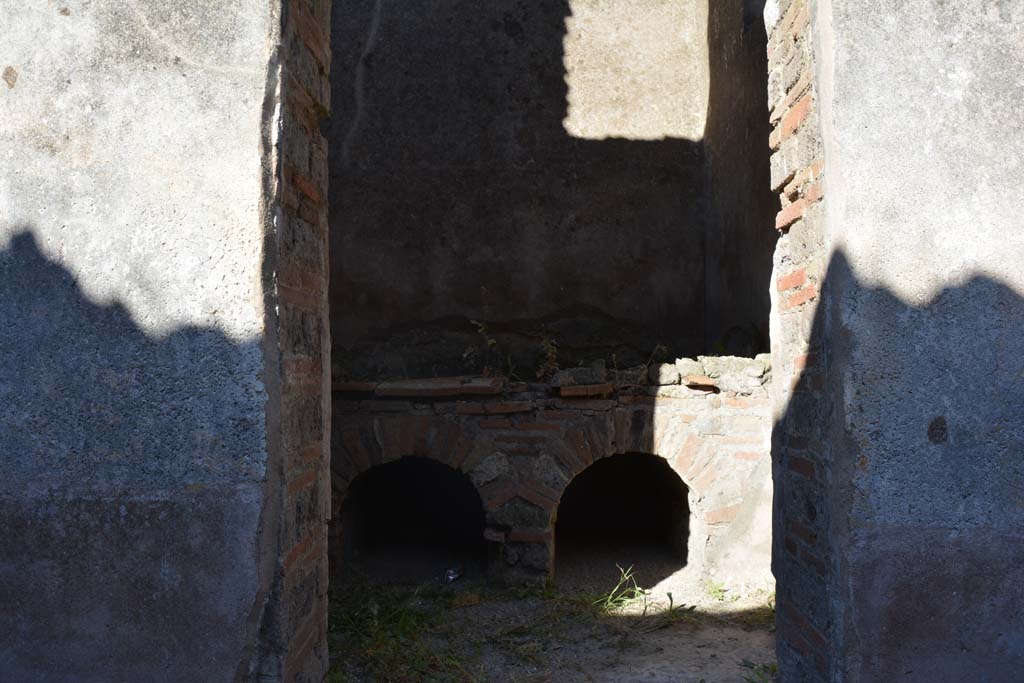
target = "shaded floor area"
x: 591, y: 569
x: 623, y: 511
x: 471, y: 632
x: 412, y: 520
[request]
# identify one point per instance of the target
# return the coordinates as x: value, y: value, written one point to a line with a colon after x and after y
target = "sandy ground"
x: 540, y: 641
x: 471, y: 630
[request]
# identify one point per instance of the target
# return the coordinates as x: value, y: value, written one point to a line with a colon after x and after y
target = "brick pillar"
x: 801, y: 547
x: 299, y: 256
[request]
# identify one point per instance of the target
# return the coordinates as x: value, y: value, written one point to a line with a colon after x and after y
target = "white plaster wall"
x: 131, y: 150
x: 133, y: 411
x: 924, y: 139
x: 637, y: 69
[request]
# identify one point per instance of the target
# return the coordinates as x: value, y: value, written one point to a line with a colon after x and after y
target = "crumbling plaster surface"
x: 132, y: 152
x: 132, y: 426
x: 924, y: 140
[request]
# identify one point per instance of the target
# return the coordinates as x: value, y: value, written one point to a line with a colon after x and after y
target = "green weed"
x: 758, y: 617
x: 625, y: 592
x: 548, y: 359
x: 385, y: 632
x: 717, y: 591
x: 760, y: 673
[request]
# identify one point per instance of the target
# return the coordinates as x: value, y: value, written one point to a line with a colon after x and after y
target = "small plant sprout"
x: 625, y: 592
x: 717, y: 591
x: 549, y: 359
x: 760, y: 673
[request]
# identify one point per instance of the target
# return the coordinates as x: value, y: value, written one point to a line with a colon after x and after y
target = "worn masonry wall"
x: 804, y: 551
x: 925, y: 319
x: 897, y: 484
x: 146, y: 377
x: 505, y: 176
x: 536, y: 166
x: 521, y: 444
x: 298, y: 257
x: 741, y: 204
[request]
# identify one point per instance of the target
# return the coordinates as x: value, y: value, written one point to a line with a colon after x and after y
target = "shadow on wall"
x: 741, y: 235
x: 457, y: 193
x: 131, y: 499
x: 899, y: 550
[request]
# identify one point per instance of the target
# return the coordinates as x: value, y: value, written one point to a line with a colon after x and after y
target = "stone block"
x: 739, y: 375
x: 594, y: 374
x: 689, y: 366
x: 548, y: 472
x: 663, y: 374
x: 492, y: 467
x: 517, y: 512
x: 629, y: 377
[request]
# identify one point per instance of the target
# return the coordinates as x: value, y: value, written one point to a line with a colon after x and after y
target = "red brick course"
x: 551, y: 446
x: 801, y: 556
x: 800, y: 297
x: 792, y: 279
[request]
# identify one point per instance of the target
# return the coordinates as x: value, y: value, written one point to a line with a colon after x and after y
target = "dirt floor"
x: 584, y: 628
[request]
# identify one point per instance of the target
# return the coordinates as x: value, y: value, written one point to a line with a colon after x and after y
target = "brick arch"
x: 364, y: 510
x: 675, y: 436
x: 637, y: 457
x: 365, y: 441
x: 521, y: 451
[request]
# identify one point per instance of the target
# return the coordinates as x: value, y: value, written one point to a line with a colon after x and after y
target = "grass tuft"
x: 393, y: 634
x: 717, y: 591
x: 625, y: 593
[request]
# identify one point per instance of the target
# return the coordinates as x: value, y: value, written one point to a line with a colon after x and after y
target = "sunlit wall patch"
x: 637, y: 70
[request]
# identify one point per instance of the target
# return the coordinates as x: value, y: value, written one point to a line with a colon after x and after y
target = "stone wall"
x: 803, y: 554
x: 300, y: 264
x: 896, y: 339
x: 924, y: 136
x: 521, y: 444
x: 536, y: 166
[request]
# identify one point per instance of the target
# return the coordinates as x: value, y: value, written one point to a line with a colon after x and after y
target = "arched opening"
x: 626, y: 510
x: 412, y: 519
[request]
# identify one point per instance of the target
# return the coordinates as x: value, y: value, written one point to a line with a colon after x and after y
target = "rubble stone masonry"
x: 800, y: 456
x: 522, y: 443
